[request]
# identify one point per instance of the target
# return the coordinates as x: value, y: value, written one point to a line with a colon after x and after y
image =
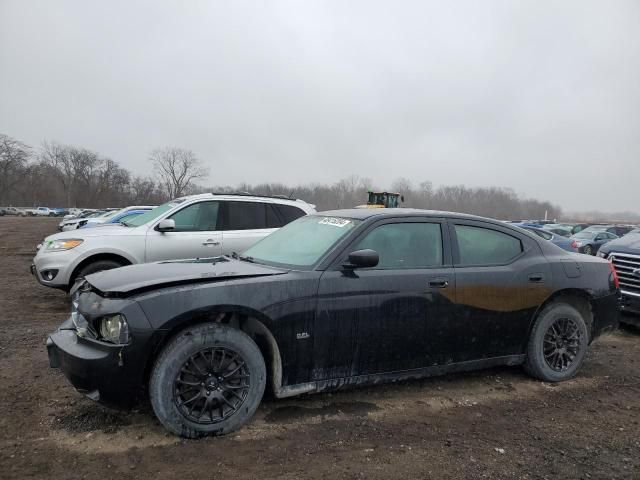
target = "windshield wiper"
x: 244, y: 258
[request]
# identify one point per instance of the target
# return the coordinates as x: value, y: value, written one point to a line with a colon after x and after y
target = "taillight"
x: 616, y: 280
x: 574, y: 244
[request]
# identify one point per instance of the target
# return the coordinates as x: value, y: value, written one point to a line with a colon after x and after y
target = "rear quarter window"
x: 289, y: 213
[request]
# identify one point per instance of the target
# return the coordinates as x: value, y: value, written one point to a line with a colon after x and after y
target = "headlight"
x: 114, y: 329
x: 602, y: 255
x: 578, y: 244
x: 59, y: 245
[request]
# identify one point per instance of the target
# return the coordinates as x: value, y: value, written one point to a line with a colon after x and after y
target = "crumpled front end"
x: 102, y: 359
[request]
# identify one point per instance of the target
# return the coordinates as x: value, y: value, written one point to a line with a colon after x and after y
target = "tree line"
x: 57, y: 175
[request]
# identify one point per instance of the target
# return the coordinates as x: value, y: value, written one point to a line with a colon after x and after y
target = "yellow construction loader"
x: 382, y: 200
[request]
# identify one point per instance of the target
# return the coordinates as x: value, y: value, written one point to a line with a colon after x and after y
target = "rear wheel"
x: 558, y: 343
x: 588, y: 250
x: 208, y: 380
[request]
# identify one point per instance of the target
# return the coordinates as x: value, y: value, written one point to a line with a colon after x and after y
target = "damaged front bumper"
x: 107, y: 372
x: 94, y: 368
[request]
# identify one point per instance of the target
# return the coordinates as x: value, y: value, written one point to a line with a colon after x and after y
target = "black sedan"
x: 348, y: 297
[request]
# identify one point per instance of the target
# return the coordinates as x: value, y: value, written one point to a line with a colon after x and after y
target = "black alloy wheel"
x: 211, y: 385
x: 558, y: 343
x: 208, y: 380
x: 561, y: 344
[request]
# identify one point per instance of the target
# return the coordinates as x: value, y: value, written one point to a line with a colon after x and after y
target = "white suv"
x: 197, y: 226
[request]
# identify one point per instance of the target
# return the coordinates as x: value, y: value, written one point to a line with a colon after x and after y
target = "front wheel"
x: 209, y: 380
x: 558, y: 343
x: 95, y: 267
x: 588, y: 250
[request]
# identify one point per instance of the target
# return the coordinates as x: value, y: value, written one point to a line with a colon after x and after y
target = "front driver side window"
x: 198, y: 217
x: 405, y: 245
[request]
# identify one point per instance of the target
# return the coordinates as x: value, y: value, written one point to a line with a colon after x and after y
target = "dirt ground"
x: 487, y: 425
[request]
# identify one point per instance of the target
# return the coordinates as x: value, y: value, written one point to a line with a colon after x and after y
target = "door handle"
x: 211, y: 242
x: 439, y: 283
x: 536, y: 278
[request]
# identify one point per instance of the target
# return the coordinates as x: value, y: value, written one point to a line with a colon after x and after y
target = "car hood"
x: 148, y: 276
x: 111, y: 229
x: 628, y: 244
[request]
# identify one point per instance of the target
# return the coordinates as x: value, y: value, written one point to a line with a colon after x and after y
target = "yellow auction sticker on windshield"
x: 336, y: 222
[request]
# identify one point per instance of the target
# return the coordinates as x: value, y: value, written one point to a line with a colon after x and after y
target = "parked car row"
x: 569, y: 229
x: 33, y: 212
x: 346, y: 297
x: 93, y: 218
x: 585, y: 238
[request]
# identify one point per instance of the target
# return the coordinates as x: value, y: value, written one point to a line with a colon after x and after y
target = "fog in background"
x: 540, y: 97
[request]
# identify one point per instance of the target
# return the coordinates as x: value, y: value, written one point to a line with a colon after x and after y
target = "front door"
x: 380, y: 319
x: 196, y: 235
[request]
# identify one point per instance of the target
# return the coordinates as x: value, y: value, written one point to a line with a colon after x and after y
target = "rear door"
x: 197, y: 234
x: 501, y: 279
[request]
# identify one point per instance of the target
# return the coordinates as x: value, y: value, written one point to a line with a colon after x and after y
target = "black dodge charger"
x: 347, y: 297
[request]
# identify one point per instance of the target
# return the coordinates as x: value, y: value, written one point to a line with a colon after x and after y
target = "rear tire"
x: 209, y: 380
x: 558, y: 343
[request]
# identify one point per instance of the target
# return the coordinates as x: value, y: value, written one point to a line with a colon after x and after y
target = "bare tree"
x: 14, y: 156
x: 402, y: 185
x: 176, y: 169
x: 58, y: 158
x: 143, y: 191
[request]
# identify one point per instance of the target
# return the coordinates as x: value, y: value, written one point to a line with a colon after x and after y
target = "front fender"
x: 95, y: 252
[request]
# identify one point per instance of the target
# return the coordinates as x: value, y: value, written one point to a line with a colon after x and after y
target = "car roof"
x: 243, y: 195
x: 365, y: 213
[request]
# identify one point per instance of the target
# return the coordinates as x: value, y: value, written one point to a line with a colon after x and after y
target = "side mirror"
x: 166, y: 225
x: 363, y: 259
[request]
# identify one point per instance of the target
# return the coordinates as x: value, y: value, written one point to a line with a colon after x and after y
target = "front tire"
x: 209, y: 380
x: 588, y: 250
x: 95, y: 267
x: 558, y: 343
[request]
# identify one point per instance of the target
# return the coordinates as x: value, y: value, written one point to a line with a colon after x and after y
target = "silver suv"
x: 197, y: 226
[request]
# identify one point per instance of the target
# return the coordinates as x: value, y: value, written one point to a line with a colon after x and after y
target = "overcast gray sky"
x: 539, y: 96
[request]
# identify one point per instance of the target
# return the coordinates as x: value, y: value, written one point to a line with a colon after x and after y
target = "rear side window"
x: 405, y: 245
x: 482, y: 246
x: 257, y: 215
x: 245, y: 216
